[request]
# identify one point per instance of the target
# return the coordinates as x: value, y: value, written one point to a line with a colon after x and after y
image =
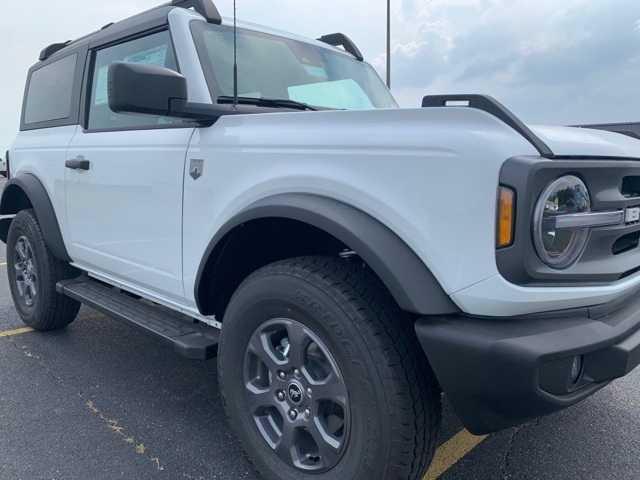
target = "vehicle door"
x: 124, y: 180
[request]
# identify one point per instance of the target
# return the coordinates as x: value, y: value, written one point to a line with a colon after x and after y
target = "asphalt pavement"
x: 100, y: 400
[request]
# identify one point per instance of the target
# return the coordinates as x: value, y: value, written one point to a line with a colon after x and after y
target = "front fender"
x: 26, y: 191
x: 408, y: 279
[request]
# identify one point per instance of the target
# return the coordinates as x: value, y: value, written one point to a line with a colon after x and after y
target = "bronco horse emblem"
x: 196, y: 169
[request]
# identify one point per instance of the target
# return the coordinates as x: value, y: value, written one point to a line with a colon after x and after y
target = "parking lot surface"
x: 101, y: 400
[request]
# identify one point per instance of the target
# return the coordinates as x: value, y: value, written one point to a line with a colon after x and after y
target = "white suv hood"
x: 572, y: 141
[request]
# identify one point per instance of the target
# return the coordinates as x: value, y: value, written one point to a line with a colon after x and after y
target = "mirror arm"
x: 200, y: 112
x: 206, y: 113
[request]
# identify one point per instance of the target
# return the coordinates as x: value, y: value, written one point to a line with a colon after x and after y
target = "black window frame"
x: 74, y: 115
x: 87, y: 83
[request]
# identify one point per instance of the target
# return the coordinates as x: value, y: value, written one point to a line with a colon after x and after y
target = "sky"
x: 550, y: 61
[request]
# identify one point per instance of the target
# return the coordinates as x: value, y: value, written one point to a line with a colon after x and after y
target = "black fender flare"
x: 27, y: 185
x: 406, y: 276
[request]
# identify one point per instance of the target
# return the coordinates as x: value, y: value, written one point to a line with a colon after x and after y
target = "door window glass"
x: 155, y: 49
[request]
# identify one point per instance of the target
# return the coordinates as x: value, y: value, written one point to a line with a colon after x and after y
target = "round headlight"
x: 561, y: 248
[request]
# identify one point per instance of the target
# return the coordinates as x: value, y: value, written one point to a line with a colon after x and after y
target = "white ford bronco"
x: 259, y: 197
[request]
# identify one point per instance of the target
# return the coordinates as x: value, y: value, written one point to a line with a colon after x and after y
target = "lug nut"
x: 293, y: 414
x: 296, y: 372
x: 307, y: 414
x: 309, y: 392
x: 282, y: 375
x: 280, y: 396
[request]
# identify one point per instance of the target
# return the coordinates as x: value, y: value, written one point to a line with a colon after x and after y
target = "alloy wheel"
x: 296, y: 395
x: 26, y: 271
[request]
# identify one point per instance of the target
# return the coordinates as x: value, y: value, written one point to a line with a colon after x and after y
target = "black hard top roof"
x: 156, y: 17
x: 150, y: 19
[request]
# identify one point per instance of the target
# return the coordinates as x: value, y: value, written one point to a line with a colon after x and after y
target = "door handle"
x: 78, y: 163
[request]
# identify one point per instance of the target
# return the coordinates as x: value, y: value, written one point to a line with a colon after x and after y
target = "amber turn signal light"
x: 506, y: 216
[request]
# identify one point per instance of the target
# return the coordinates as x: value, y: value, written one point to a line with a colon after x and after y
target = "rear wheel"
x: 323, y: 378
x: 33, y: 273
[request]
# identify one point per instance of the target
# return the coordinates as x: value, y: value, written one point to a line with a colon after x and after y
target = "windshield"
x: 280, y: 68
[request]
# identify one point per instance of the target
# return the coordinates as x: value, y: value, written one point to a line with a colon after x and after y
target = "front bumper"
x: 501, y: 372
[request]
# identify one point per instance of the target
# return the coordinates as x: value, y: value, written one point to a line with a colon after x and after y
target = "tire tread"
x: 59, y: 310
x: 389, y: 334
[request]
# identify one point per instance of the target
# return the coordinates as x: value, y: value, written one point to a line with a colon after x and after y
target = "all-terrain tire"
x: 395, y: 402
x: 42, y: 308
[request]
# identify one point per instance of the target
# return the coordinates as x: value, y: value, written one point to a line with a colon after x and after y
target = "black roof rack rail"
x: 341, y: 40
x: 51, y: 49
x: 206, y: 8
x: 492, y: 106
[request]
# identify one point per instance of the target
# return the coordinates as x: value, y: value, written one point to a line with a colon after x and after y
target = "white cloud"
x: 564, y: 62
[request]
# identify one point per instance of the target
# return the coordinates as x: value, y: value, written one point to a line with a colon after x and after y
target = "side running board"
x: 189, y: 338
x: 492, y: 106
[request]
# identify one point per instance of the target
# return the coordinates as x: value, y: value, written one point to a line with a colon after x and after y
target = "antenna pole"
x: 388, y: 43
x: 235, y: 56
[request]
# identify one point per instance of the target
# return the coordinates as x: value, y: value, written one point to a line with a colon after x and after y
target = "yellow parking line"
x: 451, y: 452
x: 18, y: 331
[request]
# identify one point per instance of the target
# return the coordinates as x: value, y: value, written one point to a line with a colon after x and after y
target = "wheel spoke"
x: 32, y: 291
x: 328, y: 446
x: 19, y: 268
x: 333, y: 389
x: 299, y: 340
x: 27, y: 295
x: 20, y: 250
x: 20, y: 287
x: 257, y: 399
x: 284, y: 446
x: 260, y: 349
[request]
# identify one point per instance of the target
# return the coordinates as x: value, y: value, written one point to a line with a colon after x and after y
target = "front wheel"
x: 33, y: 273
x: 323, y: 378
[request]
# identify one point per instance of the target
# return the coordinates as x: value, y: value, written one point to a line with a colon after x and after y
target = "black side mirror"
x: 142, y: 88
x: 154, y: 90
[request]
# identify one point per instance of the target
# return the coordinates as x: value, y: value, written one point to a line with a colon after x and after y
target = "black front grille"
x: 631, y: 187
x: 626, y: 243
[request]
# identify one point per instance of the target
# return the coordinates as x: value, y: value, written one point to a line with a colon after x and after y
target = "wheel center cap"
x: 295, y: 393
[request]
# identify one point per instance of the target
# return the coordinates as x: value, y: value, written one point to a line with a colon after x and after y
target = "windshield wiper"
x: 268, y: 102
